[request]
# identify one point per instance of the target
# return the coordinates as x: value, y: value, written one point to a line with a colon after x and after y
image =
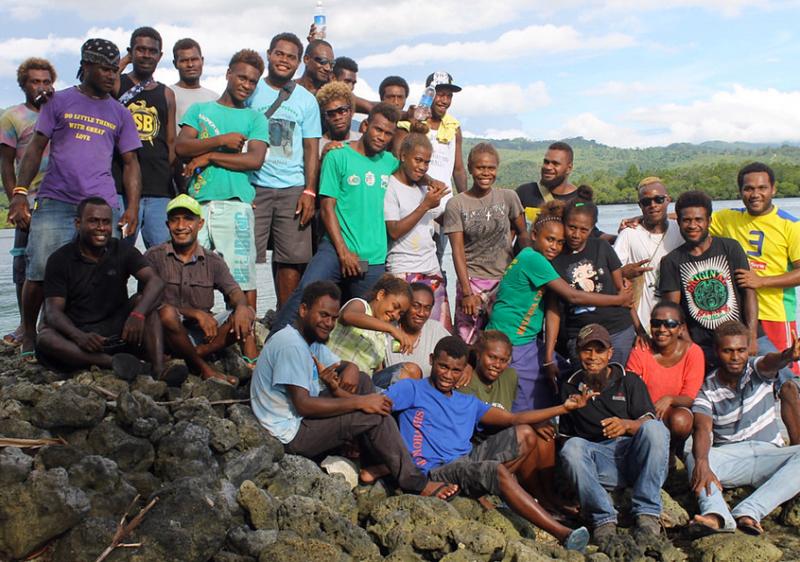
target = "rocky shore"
x: 200, y: 480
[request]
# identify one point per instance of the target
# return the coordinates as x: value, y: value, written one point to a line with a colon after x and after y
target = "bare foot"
x: 442, y: 490
x: 371, y: 474
x: 212, y: 374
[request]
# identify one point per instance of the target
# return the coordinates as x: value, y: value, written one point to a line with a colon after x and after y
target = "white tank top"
x: 443, y: 159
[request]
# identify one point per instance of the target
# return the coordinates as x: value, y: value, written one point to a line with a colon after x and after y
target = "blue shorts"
x: 52, y: 226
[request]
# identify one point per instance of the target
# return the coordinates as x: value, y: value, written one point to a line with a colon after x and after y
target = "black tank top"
x: 149, y: 111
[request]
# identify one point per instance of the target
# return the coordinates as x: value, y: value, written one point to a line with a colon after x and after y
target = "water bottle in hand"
x: 320, y: 21
x: 423, y: 109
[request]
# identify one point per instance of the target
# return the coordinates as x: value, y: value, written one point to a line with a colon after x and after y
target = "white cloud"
x: 484, y: 100
x: 617, y: 88
x: 517, y: 43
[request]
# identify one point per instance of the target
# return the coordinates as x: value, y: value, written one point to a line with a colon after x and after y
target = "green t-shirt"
x: 516, y: 311
x: 500, y: 393
x: 358, y: 183
x: 211, y: 119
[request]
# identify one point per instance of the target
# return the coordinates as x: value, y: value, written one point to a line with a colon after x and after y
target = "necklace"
x: 652, y: 284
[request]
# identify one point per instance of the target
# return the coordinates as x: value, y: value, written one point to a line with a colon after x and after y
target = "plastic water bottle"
x: 423, y: 109
x: 320, y: 21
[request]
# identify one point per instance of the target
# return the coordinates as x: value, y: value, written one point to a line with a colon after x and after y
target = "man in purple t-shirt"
x: 83, y: 126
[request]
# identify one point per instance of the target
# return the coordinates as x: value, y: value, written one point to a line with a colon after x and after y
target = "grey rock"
x: 526, y: 550
x: 224, y: 435
x: 33, y: 512
x: 71, y: 405
x: 227, y: 556
x: 291, y: 548
x: 15, y: 409
x: 14, y: 466
x: 20, y: 429
x: 251, y: 434
x: 145, y: 483
x: 477, y: 538
x: 156, y: 390
x: 143, y: 427
x: 160, y: 432
x: 132, y: 454
x: 185, y: 452
x: 25, y: 392
x: 240, y: 466
x: 249, y: 542
x: 58, y: 455
x: 735, y: 548
x: 261, y: 507
x: 193, y: 409
x: 214, y: 390
x: 790, y: 514
x: 100, y: 477
x: 85, y: 541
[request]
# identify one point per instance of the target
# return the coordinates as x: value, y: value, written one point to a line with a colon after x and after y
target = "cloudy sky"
x: 622, y: 72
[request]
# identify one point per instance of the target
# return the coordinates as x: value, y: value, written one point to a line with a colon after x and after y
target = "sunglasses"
x: 323, y: 61
x: 341, y: 110
x: 647, y: 201
x: 670, y: 323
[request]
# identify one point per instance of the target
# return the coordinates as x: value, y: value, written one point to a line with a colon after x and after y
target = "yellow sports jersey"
x: 772, y: 244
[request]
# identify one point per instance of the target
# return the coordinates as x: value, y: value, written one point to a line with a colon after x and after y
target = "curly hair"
x: 482, y: 148
x: 417, y: 136
x: 34, y: 63
x: 552, y: 211
x: 248, y: 56
x: 335, y: 91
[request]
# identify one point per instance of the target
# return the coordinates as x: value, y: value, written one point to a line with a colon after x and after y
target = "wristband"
x: 309, y: 192
x: 20, y: 191
x: 548, y: 363
x: 137, y: 315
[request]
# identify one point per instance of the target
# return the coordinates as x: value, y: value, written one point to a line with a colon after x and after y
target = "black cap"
x: 442, y: 80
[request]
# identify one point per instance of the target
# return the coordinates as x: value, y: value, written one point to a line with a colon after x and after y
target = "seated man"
x: 736, y: 445
x: 88, y: 317
x: 287, y: 399
x: 437, y: 425
x: 423, y: 332
x: 191, y: 273
x: 614, y: 441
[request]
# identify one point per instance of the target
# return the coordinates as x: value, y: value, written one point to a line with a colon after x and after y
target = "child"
x: 478, y: 223
x: 410, y: 208
x: 359, y: 335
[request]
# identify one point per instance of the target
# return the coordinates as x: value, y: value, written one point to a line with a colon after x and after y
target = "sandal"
x: 698, y: 530
x: 28, y: 357
x: 127, y: 367
x: 753, y: 528
x: 174, y: 373
x: 577, y: 540
x: 12, y: 339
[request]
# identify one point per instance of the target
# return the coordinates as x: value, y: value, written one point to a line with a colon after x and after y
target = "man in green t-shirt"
x: 352, y: 186
x: 493, y: 382
x: 212, y: 137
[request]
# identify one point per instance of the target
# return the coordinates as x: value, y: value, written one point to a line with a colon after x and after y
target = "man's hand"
x: 129, y: 221
x: 466, y: 377
x: 629, y: 223
x: 578, y: 401
x: 436, y: 184
x: 200, y: 162
x: 434, y: 196
x: 232, y: 141
x: 795, y: 349
x: 375, y: 404
x: 545, y: 431
x: 643, y: 341
x: 551, y: 370
x: 748, y: 279
x: 329, y: 375
x: 208, y: 324
x: 703, y: 478
x: 349, y: 380
x: 471, y: 305
x: 634, y: 270
x: 305, y: 208
x: 19, y: 212
x: 626, y: 295
x: 614, y: 427
x: 662, y: 406
x: 406, y: 343
x: 243, y: 318
x: 133, y: 330
x: 348, y: 261
x: 91, y: 342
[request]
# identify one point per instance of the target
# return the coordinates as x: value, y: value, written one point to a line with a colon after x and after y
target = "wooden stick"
x: 214, y: 403
x: 123, y: 529
x: 30, y: 443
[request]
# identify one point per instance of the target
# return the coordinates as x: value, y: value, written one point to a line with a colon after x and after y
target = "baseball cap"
x: 593, y: 333
x: 184, y: 201
x: 442, y: 79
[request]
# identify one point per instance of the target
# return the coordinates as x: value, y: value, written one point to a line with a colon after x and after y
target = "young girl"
x: 359, y: 335
x: 410, y: 208
x: 479, y: 223
x: 590, y: 265
x: 518, y: 313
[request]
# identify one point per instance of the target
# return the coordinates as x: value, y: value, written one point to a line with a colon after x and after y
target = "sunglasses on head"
x: 670, y: 323
x: 323, y: 61
x: 341, y: 110
x: 647, y: 201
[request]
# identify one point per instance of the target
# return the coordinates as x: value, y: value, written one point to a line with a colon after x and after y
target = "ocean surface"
x: 610, y: 216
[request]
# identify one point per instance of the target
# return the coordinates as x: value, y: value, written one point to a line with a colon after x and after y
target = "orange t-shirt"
x: 684, y: 378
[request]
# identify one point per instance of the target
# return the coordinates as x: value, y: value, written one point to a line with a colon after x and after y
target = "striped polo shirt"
x: 744, y: 414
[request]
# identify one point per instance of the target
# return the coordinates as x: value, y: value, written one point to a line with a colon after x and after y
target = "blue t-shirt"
x: 435, y: 427
x: 296, y: 119
x: 285, y: 359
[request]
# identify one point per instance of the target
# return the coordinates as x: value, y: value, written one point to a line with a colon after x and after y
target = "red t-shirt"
x: 682, y: 379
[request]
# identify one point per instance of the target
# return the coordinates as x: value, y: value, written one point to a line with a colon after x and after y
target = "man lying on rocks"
x: 88, y: 317
x: 437, y: 425
x: 287, y: 398
x: 191, y: 274
x: 737, y: 441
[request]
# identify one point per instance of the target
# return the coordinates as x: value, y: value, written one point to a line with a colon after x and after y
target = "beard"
x: 555, y: 182
x: 702, y: 239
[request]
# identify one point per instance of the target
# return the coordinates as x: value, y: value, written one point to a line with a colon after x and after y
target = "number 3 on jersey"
x: 757, y: 242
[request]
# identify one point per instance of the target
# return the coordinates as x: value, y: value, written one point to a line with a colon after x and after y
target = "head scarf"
x: 98, y: 51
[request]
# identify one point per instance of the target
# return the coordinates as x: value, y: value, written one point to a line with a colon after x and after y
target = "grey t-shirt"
x: 432, y: 331
x: 184, y: 97
x: 486, y: 224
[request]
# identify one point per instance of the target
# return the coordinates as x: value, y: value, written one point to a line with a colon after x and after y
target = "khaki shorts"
x: 278, y: 226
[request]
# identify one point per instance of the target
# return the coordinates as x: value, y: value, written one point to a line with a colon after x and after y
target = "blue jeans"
x: 152, y: 221
x: 771, y: 470
x: 52, y: 226
x: 324, y: 266
x: 639, y: 461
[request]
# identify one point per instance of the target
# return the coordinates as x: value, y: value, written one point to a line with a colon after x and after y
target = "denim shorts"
x: 229, y: 231
x: 52, y: 226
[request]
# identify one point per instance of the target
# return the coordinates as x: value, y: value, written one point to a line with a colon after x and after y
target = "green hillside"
x: 615, y: 172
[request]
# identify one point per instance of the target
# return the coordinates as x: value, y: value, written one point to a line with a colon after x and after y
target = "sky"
x: 629, y: 73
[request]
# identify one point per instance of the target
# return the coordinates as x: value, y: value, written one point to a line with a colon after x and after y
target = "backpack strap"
x: 283, y: 95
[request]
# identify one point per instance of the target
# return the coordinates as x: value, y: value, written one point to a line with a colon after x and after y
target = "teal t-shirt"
x: 516, y: 311
x: 296, y: 119
x: 211, y: 119
x: 358, y: 183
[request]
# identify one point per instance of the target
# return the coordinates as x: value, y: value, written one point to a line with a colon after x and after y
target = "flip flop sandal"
x: 11, y: 339
x: 127, y: 367
x: 29, y: 357
x: 699, y: 530
x: 251, y: 363
x: 175, y: 373
x: 577, y: 539
x: 753, y: 529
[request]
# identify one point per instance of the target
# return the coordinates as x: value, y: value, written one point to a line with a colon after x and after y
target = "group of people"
x: 565, y: 347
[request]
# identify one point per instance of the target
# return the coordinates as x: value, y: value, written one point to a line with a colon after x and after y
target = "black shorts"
x: 476, y: 473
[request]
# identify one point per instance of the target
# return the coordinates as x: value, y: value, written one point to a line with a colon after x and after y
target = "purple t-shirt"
x: 83, y: 133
